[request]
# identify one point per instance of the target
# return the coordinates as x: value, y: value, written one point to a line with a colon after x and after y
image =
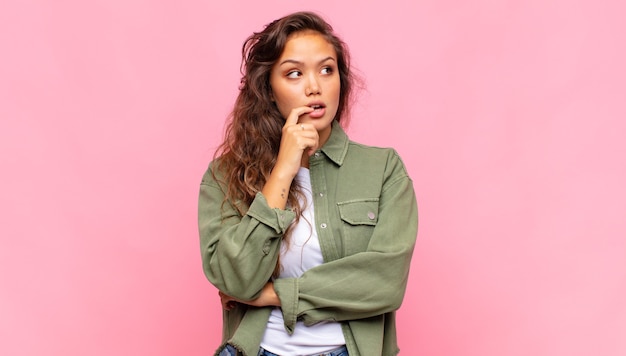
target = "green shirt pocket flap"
x: 359, y: 212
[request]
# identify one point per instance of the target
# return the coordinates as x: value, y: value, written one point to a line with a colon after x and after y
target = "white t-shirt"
x: 301, y: 253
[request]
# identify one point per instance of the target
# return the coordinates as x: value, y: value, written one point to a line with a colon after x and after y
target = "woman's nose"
x: 313, y: 87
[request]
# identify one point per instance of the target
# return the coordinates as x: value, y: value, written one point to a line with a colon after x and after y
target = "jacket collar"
x: 336, y: 147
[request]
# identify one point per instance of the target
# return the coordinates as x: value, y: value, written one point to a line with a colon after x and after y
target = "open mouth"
x: 319, y: 110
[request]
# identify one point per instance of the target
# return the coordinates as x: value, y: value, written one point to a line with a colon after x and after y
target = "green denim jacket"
x: 366, y: 220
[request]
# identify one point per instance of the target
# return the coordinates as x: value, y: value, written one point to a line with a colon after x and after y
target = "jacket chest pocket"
x: 359, y: 218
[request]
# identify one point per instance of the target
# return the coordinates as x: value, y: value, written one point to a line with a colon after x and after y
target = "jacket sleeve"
x: 239, y: 253
x: 365, y: 284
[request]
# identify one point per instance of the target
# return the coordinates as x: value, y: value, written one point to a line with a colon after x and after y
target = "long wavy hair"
x: 254, y: 128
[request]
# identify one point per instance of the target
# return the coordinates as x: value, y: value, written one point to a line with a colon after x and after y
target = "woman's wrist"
x: 276, y: 189
x: 267, y: 298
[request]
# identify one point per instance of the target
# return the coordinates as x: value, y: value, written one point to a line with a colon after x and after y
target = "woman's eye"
x: 293, y: 74
x: 327, y: 70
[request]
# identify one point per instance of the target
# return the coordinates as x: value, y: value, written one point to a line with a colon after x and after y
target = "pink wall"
x: 509, y: 116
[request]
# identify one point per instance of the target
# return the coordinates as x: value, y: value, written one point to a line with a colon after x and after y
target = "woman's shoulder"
x: 386, y: 159
x: 372, y: 152
x: 214, y: 172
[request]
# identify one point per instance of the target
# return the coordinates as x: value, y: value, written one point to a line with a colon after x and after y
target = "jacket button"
x: 323, y: 225
x: 371, y: 215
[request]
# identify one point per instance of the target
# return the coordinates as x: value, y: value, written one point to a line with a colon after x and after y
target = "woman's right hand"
x: 298, y: 142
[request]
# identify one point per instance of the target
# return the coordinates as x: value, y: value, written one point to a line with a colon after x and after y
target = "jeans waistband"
x: 340, y: 351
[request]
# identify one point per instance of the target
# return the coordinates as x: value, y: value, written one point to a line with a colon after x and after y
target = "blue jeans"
x: 341, y: 351
x: 228, y: 351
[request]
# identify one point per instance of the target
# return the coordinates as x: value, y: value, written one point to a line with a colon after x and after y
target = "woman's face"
x: 306, y: 74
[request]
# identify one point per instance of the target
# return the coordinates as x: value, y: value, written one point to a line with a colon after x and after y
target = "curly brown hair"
x: 253, y: 132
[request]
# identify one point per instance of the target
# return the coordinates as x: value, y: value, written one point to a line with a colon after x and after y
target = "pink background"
x: 510, y: 116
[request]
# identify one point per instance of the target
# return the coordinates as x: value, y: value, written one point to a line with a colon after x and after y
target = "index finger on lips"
x: 295, y: 114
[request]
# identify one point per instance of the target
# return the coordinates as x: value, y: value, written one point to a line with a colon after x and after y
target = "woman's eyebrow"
x: 293, y: 61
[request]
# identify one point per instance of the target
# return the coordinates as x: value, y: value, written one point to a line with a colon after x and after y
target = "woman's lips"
x: 318, y: 111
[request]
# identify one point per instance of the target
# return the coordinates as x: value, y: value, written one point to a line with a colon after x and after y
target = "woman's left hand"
x: 268, y: 297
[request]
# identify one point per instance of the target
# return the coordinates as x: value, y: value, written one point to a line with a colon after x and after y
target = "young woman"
x: 307, y: 235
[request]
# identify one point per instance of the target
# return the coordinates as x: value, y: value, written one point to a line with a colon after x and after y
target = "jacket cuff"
x: 287, y: 291
x: 277, y: 219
